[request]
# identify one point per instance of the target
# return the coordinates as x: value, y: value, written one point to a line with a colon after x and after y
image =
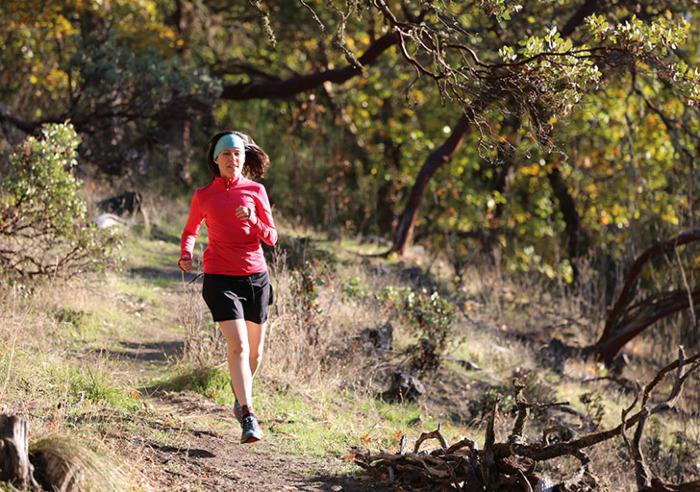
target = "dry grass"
x: 507, y: 326
x: 71, y: 465
x: 42, y: 381
x: 57, y: 342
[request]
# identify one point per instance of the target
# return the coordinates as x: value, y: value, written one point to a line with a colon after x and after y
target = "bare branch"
x: 313, y: 14
x: 512, y: 465
x: 277, y: 89
x: 436, y: 434
x: 264, y: 20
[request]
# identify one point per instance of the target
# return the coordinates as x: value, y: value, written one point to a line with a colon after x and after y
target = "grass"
x: 314, y: 423
x: 212, y: 382
x: 329, y: 423
x: 69, y: 406
x: 96, y: 471
x: 65, y: 363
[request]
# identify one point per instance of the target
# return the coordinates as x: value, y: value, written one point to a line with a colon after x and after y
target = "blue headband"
x: 226, y: 142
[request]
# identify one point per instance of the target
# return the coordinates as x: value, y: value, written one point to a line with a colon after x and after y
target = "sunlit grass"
x: 331, y: 423
x: 213, y: 382
x: 79, y: 464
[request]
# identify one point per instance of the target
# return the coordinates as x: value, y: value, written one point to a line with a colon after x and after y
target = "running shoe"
x: 251, y: 429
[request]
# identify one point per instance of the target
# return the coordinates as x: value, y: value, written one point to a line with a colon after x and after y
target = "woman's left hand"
x: 243, y: 212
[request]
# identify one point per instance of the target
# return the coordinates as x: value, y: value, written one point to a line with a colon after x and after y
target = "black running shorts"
x: 232, y: 297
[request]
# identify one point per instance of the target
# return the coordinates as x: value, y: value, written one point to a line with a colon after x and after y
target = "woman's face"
x: 230, y: 162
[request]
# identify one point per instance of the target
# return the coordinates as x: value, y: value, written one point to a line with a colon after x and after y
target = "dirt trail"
x: 195, y: 444
x: 213, y: 460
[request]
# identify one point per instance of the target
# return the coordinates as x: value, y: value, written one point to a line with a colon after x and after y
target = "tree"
x: 476, y: 61
x: 510, y: 81
x: 548, y: 75
x: 102, y: 71
x: 629, y: 317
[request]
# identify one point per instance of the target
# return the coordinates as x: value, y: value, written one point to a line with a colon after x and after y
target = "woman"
x: 236, y: 285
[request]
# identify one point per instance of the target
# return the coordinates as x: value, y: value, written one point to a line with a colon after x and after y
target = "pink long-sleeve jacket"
x: 234, y: 244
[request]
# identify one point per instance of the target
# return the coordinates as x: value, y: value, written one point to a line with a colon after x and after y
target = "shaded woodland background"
x: 552, y: 139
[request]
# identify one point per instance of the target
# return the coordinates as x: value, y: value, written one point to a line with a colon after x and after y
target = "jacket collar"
x: 228, y: 182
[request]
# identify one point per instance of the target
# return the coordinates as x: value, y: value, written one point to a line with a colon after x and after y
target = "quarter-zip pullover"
x: 234, y: 244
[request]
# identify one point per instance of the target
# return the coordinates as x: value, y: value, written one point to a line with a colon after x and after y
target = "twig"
x: 436, y: 434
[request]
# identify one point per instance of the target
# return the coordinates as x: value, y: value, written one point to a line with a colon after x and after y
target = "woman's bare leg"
x: 256, y: 340
x: 235, y: 332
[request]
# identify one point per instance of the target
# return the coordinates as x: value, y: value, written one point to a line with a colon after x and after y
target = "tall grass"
x: 60, y: 397
x: 315, y: 327
x: 204, y: 344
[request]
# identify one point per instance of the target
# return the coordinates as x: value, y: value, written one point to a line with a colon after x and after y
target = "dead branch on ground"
x: 512, y: 465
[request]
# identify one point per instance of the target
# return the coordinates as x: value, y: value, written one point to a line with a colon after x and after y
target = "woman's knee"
x: 236, y: 341
x: 256, y: 356
x: 238, y: 348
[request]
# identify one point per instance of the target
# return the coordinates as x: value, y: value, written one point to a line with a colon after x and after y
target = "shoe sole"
x: 251, y: 439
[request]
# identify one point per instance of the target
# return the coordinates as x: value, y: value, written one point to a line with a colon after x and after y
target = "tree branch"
x: 278, y: 89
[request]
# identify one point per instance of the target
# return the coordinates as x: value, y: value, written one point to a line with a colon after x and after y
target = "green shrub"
x: 431, y: 318
x: 354, y: 288
x: 43, y: 216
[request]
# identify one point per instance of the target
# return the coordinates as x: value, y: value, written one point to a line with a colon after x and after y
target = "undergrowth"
x: 67, y: 362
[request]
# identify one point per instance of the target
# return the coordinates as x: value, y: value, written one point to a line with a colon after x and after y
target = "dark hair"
x: 256, y: 160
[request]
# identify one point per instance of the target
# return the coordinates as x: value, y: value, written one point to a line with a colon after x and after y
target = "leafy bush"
x: 393, y: 298
x: 431, y: 318
x: 354, y: 288
x: 43, y: 226
x: 144, y: 98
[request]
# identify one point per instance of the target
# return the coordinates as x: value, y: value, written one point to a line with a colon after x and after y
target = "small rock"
x: 404, y: 387
x: 381, y: 337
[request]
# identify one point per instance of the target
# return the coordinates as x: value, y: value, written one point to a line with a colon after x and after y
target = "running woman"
x: 236, y: 285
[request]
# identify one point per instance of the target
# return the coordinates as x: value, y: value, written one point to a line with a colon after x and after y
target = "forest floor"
x: 197, y: 444
x: 105, y: 361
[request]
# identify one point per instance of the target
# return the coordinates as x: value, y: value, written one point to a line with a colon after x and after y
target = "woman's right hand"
x: 185, y: 265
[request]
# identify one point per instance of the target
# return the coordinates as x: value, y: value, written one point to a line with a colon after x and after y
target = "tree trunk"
x: 638, y: 318
x: 442, y: 154
x: 434, y: 161
x: 577, y: 244
x: 14, y: 453
x: 625, y: 322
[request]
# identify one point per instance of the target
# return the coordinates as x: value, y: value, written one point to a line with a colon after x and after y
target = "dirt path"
x: 194, y: 442
x: 201, y: 458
